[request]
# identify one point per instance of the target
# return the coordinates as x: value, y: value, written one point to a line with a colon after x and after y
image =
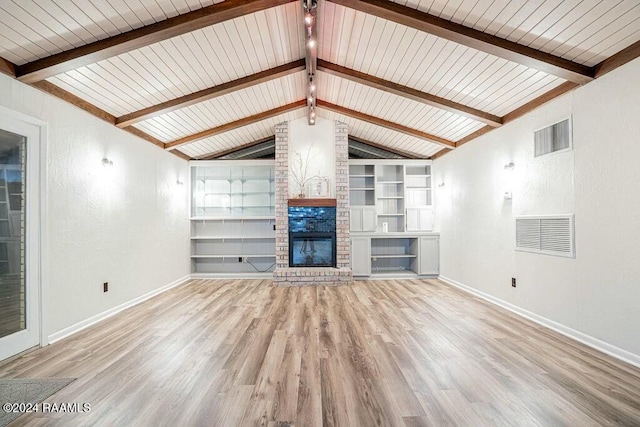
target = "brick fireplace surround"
x: 284, y: 275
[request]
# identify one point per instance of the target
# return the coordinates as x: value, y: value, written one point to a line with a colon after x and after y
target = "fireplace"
x: 312, y: 236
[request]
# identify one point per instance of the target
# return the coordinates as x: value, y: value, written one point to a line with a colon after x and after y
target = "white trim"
x: 43, y: 212
x: 35, y: 252
x: 611, y: 350
x: 57, y: 336
x: 235, y: 276
x: 21, y: 116
x: 44, y: 239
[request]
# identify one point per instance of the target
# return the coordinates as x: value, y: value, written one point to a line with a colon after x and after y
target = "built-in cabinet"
x: 391, y: 212
x: 395, y: 254
x: 390, y: 196
x: 232, y: 217
x: 429, y: 255
x: 361, y: 256
x: 362, y: 202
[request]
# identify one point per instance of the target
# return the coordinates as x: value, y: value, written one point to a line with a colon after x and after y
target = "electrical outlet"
x: 274, y: 227
x: 246, y: 259
x: 239, y: 259
x: 105, y: 287
x: 513, y: 282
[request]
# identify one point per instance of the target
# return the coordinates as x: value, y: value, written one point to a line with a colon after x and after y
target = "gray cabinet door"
x: 361, y: 256
x: 430, y: 255
x: 369, y: 219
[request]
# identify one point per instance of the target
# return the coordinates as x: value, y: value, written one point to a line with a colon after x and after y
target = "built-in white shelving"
x: 232, y: 217
x: 392, y: 218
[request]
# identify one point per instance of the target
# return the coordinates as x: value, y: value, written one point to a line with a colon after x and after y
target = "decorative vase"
x: 301, y: 196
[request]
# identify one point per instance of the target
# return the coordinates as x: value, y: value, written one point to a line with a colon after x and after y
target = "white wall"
x: 598, y: 292
x: 318, y: 141
x: 126, y: 225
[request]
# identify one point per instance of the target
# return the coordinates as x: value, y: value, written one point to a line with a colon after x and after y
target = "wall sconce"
x: 441, y: 185
x: 508, y: 195
x: 179, y: 182
x: 107, y: 162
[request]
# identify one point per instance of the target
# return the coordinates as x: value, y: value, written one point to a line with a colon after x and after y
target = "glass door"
x: 19, y: 236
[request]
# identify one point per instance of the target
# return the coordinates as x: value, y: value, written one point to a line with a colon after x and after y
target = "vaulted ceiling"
x: 202, y: 78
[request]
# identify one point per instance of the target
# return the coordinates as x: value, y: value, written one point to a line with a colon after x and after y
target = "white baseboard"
x: 265, y: 275
x: 611, y: 350
x: 57, y: 336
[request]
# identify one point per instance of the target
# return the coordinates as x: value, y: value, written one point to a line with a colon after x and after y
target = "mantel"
x: 312, y: 202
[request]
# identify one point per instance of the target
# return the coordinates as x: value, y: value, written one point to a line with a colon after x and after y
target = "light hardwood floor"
x: 394, y: 352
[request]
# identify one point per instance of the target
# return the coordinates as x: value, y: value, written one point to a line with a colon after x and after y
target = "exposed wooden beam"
x: 518, y: 112
x: 140, y: 37
x: 180, y: 154
x: 386, y: 124
x: 210, y: 93
x: 619, y: 59
x: 58, y: 92
x: 219, y: 154
x: 402, y: 153
x: 542, y: 99
x: 475, y: 39
x: 140, y: 134
x: 7, y: 67
x: 441, y: 153
x: 235, y: 125
x: 407, y: 92
x: 473, y: 135
x: 64, y: 95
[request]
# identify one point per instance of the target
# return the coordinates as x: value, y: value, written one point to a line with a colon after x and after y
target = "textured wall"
x: 596, y: 293
x: 127, y: 225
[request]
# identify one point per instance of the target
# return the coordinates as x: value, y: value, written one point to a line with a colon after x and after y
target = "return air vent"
x: 550, y: 235
x: 553, y: 138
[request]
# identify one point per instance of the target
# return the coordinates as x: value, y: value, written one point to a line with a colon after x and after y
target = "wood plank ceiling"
x: 199, y: 78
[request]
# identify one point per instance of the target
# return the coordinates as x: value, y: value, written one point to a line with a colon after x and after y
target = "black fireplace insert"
x: 312, y: 236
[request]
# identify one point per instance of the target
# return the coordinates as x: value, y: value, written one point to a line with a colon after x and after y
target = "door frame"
x: 39, y: 253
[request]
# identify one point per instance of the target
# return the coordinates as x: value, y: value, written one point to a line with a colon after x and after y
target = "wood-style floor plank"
x: 377, y: 353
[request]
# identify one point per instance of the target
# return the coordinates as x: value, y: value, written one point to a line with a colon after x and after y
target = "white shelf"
x: 362, y: 176
x: 390, y: 214
x: 228, y: 217
x: 361, y: 189
x: 393, y: 256
x: 390, y: 182
x: 233, y: 256
x: 232, y: 237
x: 391, y: 197
x: 218, y: 178
x: 232, y: 197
